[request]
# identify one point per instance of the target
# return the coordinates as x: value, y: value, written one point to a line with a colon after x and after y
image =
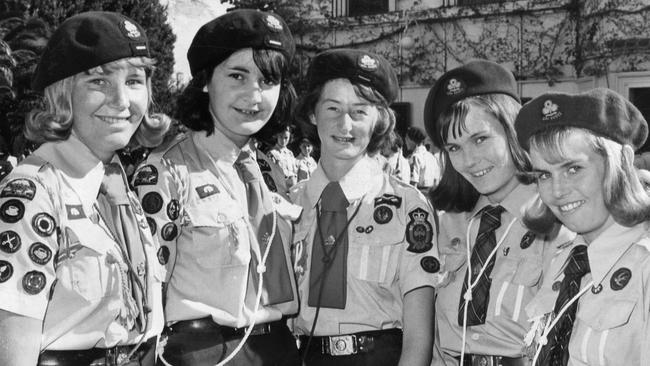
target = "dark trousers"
x: 386, y: 352
x: 209, y: 347
x: 144, y: 356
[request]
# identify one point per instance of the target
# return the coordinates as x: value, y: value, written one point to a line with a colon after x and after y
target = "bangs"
x: 271, y: 63
x: 454, y: 121
x: 138, y: 62
x: 550, y: 143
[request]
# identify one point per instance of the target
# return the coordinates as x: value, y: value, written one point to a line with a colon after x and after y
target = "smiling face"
x: 571, y: 185
x: 480, y: 153
x: 345, y: 122
x: 108, y: 104
x: 242, y: 99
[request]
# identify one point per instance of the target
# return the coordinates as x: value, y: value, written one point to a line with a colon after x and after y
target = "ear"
x: 312, y: 119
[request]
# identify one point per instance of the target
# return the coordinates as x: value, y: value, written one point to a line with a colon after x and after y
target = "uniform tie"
x: 556, y: 351
x: 277, y: 281
x: 484, y: 245
x: 327, y: 281
x: 117, y: 211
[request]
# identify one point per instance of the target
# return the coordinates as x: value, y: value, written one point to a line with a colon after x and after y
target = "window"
x: 479, y: 2
x: 355, y: 8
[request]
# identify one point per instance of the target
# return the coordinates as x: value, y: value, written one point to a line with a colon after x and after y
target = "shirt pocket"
x: 84, y: 270
x: 601, y: 315
x: 374, y: 257
x: 522, y: 271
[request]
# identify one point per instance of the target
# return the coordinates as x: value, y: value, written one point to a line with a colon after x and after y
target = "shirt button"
x: 476, y: 336
x: 556, y: 285
x: 221, y: 217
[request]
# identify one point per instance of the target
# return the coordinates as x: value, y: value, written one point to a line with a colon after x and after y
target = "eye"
x: 270, y: 82
x: 480, y: 139
x: 573, y: 169
x: 542, y: 176
x: 136, y: 81
x: 236, y: 76
x: 451, y: 148
x: 98, y: 81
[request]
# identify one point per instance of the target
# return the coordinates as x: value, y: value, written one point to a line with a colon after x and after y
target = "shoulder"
x: 170, y: 149
x: 297, y: 192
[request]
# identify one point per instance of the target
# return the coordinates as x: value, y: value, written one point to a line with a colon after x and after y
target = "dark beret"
x: 476, y: 77
x: 602, y: 111
x: 88, y: 40
x: 358, y: 66
x: 216, y: 40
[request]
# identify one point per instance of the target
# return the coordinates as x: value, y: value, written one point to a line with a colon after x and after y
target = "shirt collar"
x: 218, y: 146
x: 514, y: 202
x: 610, y: 246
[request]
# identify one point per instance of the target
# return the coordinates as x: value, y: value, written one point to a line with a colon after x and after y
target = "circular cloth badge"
x: 173, y: 208
x: 430, y: 264
x: 382, y: 215
x: 152, y: 225
x: 169, y: 231
x: 9, y: 241
x: 620, y: 278
x: 152, y: 202
x: 12, y: 211
x: 6, y: 270
x: 34, y: 282
x: 39, y: 253
x: 419, y: 232
x: 163, y: 255
x: 527, y: 240
x: 43, y: 224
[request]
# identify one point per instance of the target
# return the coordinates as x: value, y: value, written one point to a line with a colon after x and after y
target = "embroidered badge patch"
x: 22, y: 188
x: 6, y: 270
x: 527, y: 240
x: 39, y: 253
x: 383, y: 214
x: 430, y: 264
x: 620, y: 278
x: 455, y: 86
x: 75, y: 212
x: 152, y: 202
x: 596, y: 289
x: 270, y: 183
x: 273, y: 23
x: 206, y: 190
x: 368, y: 63
x: 43, y: 224
x: 12, y: 211
x: 550, y: 111
x: 169, y: 231
x: 131, y: 30
x: 146, y: 175
x: 173, y: 208
x: 34, y: 282
x: 163, y: 255
x: 152, y: 225
x: 419, y: 232
x: 9, y: 241
x: 388, y: 199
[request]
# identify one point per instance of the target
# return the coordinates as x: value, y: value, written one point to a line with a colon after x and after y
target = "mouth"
x: 481, y: 173
x: 248, y: 112
x: 115, y: 120
x: 343, y: 139
x: 569, y: 207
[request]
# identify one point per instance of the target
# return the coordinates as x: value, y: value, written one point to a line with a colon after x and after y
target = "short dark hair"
x: 416, y: 134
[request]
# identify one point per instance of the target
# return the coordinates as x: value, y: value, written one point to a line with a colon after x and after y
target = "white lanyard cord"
x: 468, y: 294
x: 543, y: 340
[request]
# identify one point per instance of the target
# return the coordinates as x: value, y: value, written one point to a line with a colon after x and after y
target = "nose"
x: 345, y: 123
x: 559, y: 187
x: 469, y: 157
x: 255, y: 92
x: 119, y: 97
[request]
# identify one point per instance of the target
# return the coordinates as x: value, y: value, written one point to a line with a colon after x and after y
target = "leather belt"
x: 95, y: 356
x: 207, y: 325
x: 485, y: 360
x: 350, y: 344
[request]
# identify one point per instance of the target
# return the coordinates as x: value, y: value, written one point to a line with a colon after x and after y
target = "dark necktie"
x: 483, y: 246
x: 277, y: 281
x: 556, y: 351
x: 118, y: 213
x: 327, y: 281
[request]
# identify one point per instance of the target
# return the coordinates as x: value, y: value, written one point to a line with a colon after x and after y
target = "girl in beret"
x: 225, y: 235
x: 78, y: 277
x: 365, y: 258
x: 492, y: 263
x: 594, y: 305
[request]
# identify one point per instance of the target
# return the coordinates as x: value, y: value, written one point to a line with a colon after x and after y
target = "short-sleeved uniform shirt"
x: 384, y: 261
x: 516, y: 277
x: 285, y: 160
x: 196, y: 203
x: 305, y: 166
x: 612, y: 324
x: 58, y: 260
x: 425, y: 167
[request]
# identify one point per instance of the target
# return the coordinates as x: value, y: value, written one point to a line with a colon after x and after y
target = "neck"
x: 335, y: 169
x: 503, y: 192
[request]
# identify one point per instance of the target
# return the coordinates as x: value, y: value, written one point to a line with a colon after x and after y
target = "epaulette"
x: 166, y: 146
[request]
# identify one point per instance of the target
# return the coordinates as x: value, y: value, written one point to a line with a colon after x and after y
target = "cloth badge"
x: 10, y: 241
x: 206, y: 190
x: 173, y: 208
x: 169, y: 231
x: 527, y: 240
x: 270, y: 183
x: 75, y: 212
x: 620, y: 278
x: 419, y: 232
x: 367, y: 62
x: 388, y: 199
x: 152, y: 202
x: 273, y: 23
x: 430, y: 264
x: 163, y: 255
x: 12, y: 211
x: 550, y: 111
x: 596, y: 289
x: 6, y: 270
x: 130, y: 30
x: 43, y: 224
x: 152, y: 225
x: 21, y: 188
x: 39, y: 253
x: 382, y: 214
x: 34, y: 282
x: 146, y: 175
x: 455, y: 86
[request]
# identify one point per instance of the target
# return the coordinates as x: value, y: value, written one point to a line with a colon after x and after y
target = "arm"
x: 418, y: 327
x: 416, y: 168
x: 20, y: 338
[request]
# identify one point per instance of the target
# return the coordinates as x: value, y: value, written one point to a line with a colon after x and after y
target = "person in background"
x: 365, y: 255
x: 594, y: 305
x: 492, y: 263
x: 305, y: 163
x: 224, y: 235
x: 283, y: 157
x: 425, y: 168
x: 79, y: 281
x: 398, y: 165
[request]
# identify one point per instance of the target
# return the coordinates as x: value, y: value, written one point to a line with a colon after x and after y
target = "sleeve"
x: 645, y: 351
x: 28, y: 245
x: 420, y: 262
x: 416, y: 168
x: 162, y: 187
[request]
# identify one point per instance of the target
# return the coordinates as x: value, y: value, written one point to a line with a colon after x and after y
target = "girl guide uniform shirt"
x: 59, y: 261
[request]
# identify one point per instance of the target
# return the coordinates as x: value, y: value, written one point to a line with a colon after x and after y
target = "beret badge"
x: 131, y: 30
x: 368, y: 63
x: 273, y: 23
x: 550, y: 111
x: 455, y: 87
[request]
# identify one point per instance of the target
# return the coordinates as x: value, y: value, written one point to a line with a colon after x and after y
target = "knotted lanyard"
x: 117, y: 211
x: 277, y: 281
x: 484, y: 245
x: 327, y: 281
x: 556, y: 351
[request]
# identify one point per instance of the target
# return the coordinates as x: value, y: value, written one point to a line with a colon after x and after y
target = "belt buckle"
x: 261, y: 329
x: 483, y: 360
x: 342, y: 345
